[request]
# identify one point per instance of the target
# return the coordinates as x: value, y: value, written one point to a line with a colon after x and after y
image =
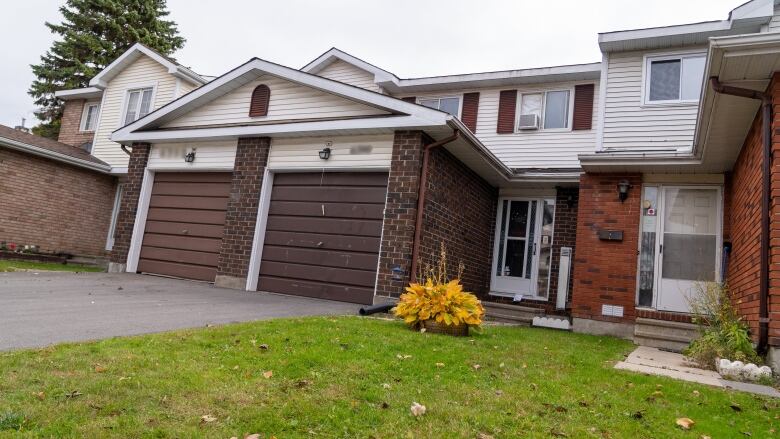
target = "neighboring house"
x: 599, y: 192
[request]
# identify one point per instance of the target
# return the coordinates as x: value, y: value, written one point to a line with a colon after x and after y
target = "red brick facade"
x: 460, y: 211
x: 128, y: 206
x: 241, y: 215
x: 605, y: 271
x: 564, y: 235
x: 58, y: 207
x: 70, y: 132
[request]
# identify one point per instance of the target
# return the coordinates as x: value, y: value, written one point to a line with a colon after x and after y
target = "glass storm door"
x: 521, y: 223
x: 689, y: 249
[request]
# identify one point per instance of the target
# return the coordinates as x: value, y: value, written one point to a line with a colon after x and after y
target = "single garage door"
x: 322, y: 235
x: 184, y: 225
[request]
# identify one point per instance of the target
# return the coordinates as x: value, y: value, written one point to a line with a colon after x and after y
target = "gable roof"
x: 333, y: 54
x: 101, y: 79
x: 50, y: 149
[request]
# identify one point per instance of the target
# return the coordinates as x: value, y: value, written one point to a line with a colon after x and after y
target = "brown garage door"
x: 322, y: 235
x: 184, y: 225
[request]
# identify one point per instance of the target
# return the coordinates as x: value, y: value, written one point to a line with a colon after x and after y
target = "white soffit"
x: 79, y: 93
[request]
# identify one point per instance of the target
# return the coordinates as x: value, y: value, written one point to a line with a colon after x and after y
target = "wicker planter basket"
x: 435, y: 327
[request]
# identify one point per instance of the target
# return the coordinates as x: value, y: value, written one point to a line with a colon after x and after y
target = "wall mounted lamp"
x: 325, y: 153
x: 623, y: 188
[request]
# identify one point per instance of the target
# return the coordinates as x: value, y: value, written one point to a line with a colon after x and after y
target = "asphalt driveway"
x: 38, y: 309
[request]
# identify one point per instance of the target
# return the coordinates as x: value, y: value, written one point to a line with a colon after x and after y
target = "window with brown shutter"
x: 468, y: 113
x: 259, y: 104
x: 583, y: 107
x: 507, y: 103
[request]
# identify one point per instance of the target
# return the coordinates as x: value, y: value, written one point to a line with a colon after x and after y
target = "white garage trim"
x: 259, y: 238
x: 134, y: 252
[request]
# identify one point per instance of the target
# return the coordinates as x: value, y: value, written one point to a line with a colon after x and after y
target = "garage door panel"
x: 326, y: 258
x: 180, y: 256
x: 189, y: 189
x: 176, y: 202
x: 318, y: 290
x: 325, y: 242
x: 185, y: 229
x: 364, y: 278
x: 183, y: 242
x: 339, y: 194
x: 174, y: 269
x: 194, y: 216
x: 332, y: 179
x: 325, y: 225
x: 332, y: 210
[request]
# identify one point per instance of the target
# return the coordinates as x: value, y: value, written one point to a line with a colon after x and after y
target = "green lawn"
x: 357, y: 377
x: 10, y: 265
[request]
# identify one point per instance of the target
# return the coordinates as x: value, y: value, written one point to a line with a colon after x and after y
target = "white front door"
x: 524, y: 232
x: 689, y: 249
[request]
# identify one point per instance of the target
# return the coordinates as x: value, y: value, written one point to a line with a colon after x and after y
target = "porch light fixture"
x: 189, y: 157
x: 325, y: 153
x: 623, y: 188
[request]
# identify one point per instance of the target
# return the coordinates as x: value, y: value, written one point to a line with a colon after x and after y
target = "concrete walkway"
x: 654, y: 361
x: 38, y: 309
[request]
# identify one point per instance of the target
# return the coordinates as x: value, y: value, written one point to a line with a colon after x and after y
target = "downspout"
x: 124, y: 148
x: 421, y: 199
x: 766, y: 139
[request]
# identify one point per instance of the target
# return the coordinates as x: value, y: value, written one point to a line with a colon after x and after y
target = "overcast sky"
x: 410, y: 38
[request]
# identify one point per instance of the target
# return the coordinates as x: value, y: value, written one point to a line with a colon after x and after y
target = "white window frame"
x: 519, y: 106
x: 648, y: 59
x: 85, y: 112
x: 439, y: 98
x: 136, y: 87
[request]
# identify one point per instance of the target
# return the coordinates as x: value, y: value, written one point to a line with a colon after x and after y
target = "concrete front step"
x: 662, y: 334
x: 502, y: 312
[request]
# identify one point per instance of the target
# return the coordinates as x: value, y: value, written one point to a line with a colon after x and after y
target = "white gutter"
x: 47, y: 153
x: 79, y: 93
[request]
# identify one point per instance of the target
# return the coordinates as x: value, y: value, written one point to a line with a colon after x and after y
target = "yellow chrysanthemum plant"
x: 438, y: 304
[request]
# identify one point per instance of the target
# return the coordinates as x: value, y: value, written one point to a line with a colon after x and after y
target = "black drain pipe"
x: 766, y: 138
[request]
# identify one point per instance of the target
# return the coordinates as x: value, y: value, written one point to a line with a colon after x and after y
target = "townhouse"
x: 598, y: 193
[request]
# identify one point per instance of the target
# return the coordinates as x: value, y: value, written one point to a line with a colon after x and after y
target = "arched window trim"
x: 261, y: 95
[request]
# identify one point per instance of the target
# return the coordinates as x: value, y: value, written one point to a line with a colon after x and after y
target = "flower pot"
x: 460, y: 330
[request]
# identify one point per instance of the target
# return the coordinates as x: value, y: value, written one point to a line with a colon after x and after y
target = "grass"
x: 7, y: 265
x: 357, y: 377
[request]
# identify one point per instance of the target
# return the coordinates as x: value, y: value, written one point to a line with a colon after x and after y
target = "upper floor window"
x: 139, y: 104
x: 674, y: 79
x: 89, y: 117
x: 449, y: 104
x: 548, y: 110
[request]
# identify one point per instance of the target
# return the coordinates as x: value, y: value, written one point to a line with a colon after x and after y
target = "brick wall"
x: 774, y: 216
x: 400, y: 212
x: 564, y: 235
x: 71, y: 122
x: 241, y: 215
x: 460, y: 211
x: 128, y: 206
x: 605, y: 271
x: 59, y: 207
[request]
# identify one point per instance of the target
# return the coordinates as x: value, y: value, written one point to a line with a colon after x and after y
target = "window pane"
x: 545, y: 249
x: 89, y: 123
x: 518, y: 219
x: 450, y: 105
x: 500, y: 262
x: 665, y: 80
x: 692, y: 74
x: 556, y: 109
x: 515, y: 257
x: 146, y: 103
x: 531, y: 104
x: 531, y: 232
x: 132, y: 105
x: 647, y: 252
x: 690, y: 234
x: 430, y: 103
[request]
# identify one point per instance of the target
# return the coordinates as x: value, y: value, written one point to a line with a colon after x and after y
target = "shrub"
x: 723, y: 333
x: 439, y: 299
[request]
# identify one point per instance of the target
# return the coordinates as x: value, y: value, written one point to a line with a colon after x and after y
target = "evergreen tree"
x: 93, y: 34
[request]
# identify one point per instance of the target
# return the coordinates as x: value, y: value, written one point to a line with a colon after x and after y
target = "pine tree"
x: 93, y: 34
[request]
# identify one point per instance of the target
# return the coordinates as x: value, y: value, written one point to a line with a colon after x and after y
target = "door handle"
x: 534, y: 249
x: 661, y: 249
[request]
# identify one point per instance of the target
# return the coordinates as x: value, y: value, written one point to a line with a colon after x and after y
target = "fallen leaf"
x: 638, y: 415
x: 268, y: 374
x: 385, y: 385
x: 252, y: 436
x: 205, y: 419
x: 685, y: 423
x: 439, y: 364
x: 100, y: 369
x: 73, y: 394
x: 263, y: 347
x: 499, y: 392
x: 734, y: 406
x: 476, y: 366
x: 484, y: 436
x: 696, y: 393
x: 40, y: 395
x: 501, y: 365
x: 417, y: 409
x: 533, y: 386
x: 704, y: 436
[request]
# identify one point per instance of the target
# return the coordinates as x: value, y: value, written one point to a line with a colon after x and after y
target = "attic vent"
x: 259, y: 104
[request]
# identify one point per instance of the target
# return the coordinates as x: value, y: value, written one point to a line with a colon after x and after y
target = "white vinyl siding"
x: 143, y: 72
x: 289, y: 101
x: 214, y: 155
x: 629, y: 124
x: 555, y: 148
x: 346, y: 152
x: 347, y: 73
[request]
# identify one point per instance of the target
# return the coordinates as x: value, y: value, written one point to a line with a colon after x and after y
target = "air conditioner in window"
x: 529, y: 122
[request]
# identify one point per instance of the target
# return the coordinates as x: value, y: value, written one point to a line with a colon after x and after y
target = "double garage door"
x: 322, y: 235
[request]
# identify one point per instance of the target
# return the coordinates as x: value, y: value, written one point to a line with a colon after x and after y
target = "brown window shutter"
x: 412, y: 99
x: 469, y: 111
x: 507, y: 104
x: 583, y: 107
x: 259, y: 104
